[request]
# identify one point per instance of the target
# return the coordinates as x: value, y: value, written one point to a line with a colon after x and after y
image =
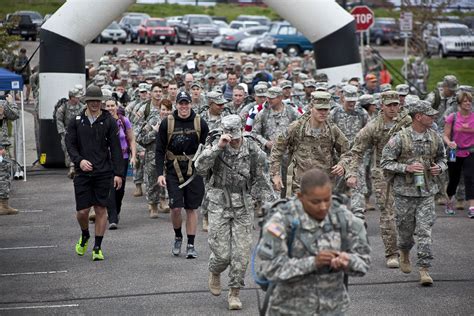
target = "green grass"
x: 463, y: 69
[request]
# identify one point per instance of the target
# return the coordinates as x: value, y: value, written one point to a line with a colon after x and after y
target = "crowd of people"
x: 239, y: 136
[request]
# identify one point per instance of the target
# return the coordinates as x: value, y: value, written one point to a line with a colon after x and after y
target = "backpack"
x: 341, y: 225
x: 60, y: 103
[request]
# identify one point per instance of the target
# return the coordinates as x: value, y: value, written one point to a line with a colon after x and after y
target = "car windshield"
x: 114, y: 26
x: 274, y: 29
x: 133, y: 22
x: 454, y: 31
x: 155, y: 23
x: 199, y: 20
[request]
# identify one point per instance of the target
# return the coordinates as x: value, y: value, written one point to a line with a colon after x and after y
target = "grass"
x: 463, y: 69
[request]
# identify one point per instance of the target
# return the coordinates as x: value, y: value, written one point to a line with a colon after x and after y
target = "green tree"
x: 8, y: 45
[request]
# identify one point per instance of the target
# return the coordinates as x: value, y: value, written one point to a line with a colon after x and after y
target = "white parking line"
x: 32, y: 273
x: 28, y: 247
x: 31, y: 211
x: 25, y: 226
x: 37, y: 307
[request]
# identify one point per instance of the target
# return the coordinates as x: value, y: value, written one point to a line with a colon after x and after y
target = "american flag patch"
x: 276, y: 230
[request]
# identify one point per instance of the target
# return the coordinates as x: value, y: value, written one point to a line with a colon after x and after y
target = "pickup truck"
x: 22, y: 25
x: 450, y: 39
x: 195, y: 28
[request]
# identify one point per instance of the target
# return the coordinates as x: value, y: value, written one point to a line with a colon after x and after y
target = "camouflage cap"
x: 389, y: 97
x: 309, y: 83
x: 350, y: 93
x: 196, y: 83
x: 285, y: 84
x: 248, y: 66
x: 261, y: 90
x: 423, y: 107
x: 211, y: 75
x: 99, y: 80
x: 298, y: 89
x: 321, y: 86
x: 410, y: 100
x: 321, y: 77
x: 385, y: 87
x: 451, y: 82
x: 274, y: 92
x: 297, y: 70
x: 198, y: 75
x: 143, y: 87
x: 74, y: 92
x: 402, y: 89
x: 303, y: 76
x: 232, y: 124
x: 366, y: 99
x: 320, y: 100
x: 216, y: 97
x: 466, y: 88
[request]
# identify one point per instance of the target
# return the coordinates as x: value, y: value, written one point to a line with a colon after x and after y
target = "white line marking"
x: 35, y: 307
x: 28, y: 247
x: 32, y: 273
x: 25, y: 226
x: 31, y: 211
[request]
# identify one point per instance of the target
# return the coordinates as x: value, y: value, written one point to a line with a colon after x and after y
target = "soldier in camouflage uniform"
x: 442, y: 101
x: 415, y: 157
x: 238, y: 100
x: 237, y: 166
x: 309, y: 87
x: 307, y: 264
x: 376, y: 135
x: 64, y: 114
x: 312, y: 142
x: 199, y: 102
x: 350, y: 120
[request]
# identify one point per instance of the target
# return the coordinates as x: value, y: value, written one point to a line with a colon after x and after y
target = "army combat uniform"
x: 300, y: 287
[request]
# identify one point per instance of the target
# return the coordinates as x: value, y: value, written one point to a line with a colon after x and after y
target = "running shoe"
x: 81, y: 250
x: 113, y: 226
x: 177, y: 246
x: 191, y: 252
x: 97, y: 255
x: 450, y: 208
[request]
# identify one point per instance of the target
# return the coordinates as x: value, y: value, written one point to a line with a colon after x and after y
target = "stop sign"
x: 364, y: 17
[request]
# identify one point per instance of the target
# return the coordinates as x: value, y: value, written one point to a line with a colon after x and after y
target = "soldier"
x: 307, y: 246
x: 237, y: 166
x: 312, y: 142
x: 309, y: 87
x: 250, y: 111
x: 420, y: 73
x: 376, y: 135
x: 238, y: 100
x: 286, y: 86
x: 367, y: 102
x: 441, y: 101
x: 308, y: 62
x: 402, y: 90
x: 415, y: 157
x: 67, y: 111
x: 198, y: 100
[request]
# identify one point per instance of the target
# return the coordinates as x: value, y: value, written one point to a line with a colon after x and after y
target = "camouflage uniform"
x: 300, y: 287
x: 376, y: 135
x: 441, y: 103
x: 414, y: 205
x: 230, y: 192
x: 307, y: 147
x: 5, y: 178
x: 64, y: 115
x: 10, y: 113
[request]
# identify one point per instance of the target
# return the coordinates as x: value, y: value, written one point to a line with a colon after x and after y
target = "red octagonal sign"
x: 364, y: 17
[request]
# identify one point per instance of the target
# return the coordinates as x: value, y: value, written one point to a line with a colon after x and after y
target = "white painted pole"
x: 23, y: 134
x: 406, y: 59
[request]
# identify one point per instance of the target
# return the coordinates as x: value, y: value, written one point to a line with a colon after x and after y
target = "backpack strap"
x: 147, y: 109
x: 197, y: 126
x: 170, y: 128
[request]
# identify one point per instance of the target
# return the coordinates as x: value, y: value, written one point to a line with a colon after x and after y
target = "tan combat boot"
x: 392, y: 262
x: 425, y: 278
x: 215, y: 284
x: 138, y: 190
x: 5, y: 209
x: 71, y: 172
x: 405, y: 264
x: 205, y: 223
x: 153, y: 208
x: 92, y: 215
x: 164, y: 206
x: 233, y: 299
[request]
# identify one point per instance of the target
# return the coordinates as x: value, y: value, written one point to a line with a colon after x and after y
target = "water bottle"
x: 419, y: 179
x: 452, y: 155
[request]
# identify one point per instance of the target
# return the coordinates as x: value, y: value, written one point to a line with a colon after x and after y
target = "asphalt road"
x: 40, y: 274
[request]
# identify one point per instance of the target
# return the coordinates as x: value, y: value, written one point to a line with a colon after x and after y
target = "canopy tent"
x: 10, y: 81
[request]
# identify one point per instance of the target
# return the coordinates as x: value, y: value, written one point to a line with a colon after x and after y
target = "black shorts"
x: 26, y: 79
x: 190, y: 197
x: 92, y: 190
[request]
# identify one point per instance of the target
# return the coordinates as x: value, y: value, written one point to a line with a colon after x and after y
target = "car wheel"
x: 378, y: 41
x: 189, y: 40
x: 114, y: 42
x: 441, y: 53
x: 293, y: 50
x: 124, y: 42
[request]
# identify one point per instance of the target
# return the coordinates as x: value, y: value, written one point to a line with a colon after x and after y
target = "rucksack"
x: 60, y: 103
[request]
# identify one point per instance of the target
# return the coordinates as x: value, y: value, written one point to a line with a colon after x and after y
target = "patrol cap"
x: 466, y: 88
x: 303, y: 76
x: 285, y: 84
x: 74, y: 92
x: 99, y: 80
x: 232, y: 124
x: 196, y: 84
x: 261, y: 90
x: 423, y: 107
x: 248, y: 66
x: 402, y: 89
x: 451, y: 82
x: 143, y: 87
x: 279, y: 50
x: 321, y: 100
x: 297, y: 70
x: 298, y: 89
x: 389, y: 97
x: 309, y: 83
x: 321, y: 86
x: 274, y: 92
x: 350, y: 93
x: 216, y: 97
x: 410, y: 100
x: 321, y: 77
x: 366, y: 100
x: 385, y: 87
x: 211, y: 75
x: 197, y: 76
x: 183, y: 96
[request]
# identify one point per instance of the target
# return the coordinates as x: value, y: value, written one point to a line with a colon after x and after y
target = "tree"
x: 8, y: 45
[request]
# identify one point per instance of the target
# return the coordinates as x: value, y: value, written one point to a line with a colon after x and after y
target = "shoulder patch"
x: 276, y: 230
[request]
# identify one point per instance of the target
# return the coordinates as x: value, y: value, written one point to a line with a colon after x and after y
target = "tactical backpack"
x: 60, y: 103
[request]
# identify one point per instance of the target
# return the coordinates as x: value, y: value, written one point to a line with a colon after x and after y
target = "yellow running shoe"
x: 81, y: 250
x: 97, y: 255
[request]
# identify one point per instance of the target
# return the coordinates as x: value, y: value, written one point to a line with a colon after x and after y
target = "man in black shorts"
x: 177, y: 142
x: 93, y: 144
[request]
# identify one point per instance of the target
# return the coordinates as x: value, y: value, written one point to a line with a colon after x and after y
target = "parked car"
x: 173, y: 20
x: 450, y: 39
x: 265, y: 43
x: 263, y: 20
x: 196, y: 28
x: 131, y: 24
x: 289, y: 38
x: 156, y: 30
x: 247, y: 45
x: 242, y: 25
x: 222, y: 26
x: 139, y: 14
x: 112, y: 33
x: 231, y: 41
x: 385, y: 31
x: 22, y: 25
x: 36, y: 17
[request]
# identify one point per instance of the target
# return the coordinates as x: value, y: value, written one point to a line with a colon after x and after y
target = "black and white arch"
x: 62, y: 60
x: 332, y: 31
